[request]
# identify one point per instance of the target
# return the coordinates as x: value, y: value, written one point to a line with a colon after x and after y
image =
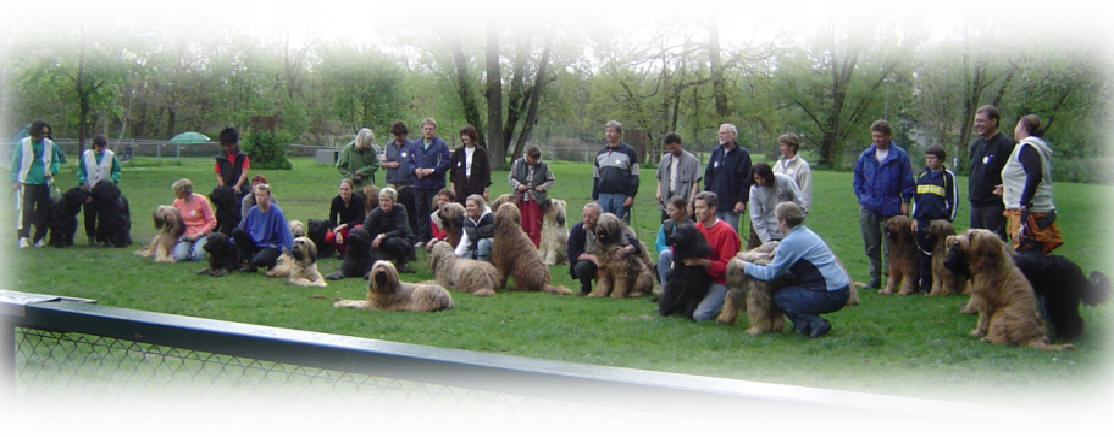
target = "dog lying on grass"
x: 386, y: 292
x: 462, y: 274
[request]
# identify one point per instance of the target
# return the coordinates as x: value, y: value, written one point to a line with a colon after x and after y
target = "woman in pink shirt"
x: 198, y: 217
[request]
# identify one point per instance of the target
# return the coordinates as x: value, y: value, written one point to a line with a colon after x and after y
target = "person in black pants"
x: 583, y: 263
x: 389, y: 229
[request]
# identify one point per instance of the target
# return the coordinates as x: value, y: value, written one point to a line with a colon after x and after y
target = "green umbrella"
x: 190, y: 137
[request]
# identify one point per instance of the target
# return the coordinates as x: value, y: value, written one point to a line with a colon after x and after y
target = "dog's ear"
x: 160, y: 221
x: 311, y: 250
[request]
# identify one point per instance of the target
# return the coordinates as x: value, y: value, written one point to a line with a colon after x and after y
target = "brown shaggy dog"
x: 503, y: 198
x: 169, y: 223
x: 371, y: 198
x: 464, y: 275
x: 904, y: 259
x: 285, y: 262
x: 1007, y: 306
x: 944, y: 281
x: 297, y: 228
x: 630, y: 275
x: 514, y: 255
x: 554, y: 233
x: 744, y: 292
x: 449, y: 218
x: 386, y: 292
x: 302, y: 269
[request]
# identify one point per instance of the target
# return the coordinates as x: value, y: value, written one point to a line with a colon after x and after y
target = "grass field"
x: 915, y: 345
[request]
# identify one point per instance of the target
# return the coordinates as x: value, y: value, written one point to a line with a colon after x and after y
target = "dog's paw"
x: 886, y: 291
x: 977, y: 333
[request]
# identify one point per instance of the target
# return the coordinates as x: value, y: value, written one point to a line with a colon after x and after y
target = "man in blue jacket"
x: 429, y: 161
x: 884, y: 184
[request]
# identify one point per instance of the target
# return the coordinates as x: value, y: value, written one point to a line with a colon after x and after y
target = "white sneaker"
x: 23, y: 243
x: 40, y: 243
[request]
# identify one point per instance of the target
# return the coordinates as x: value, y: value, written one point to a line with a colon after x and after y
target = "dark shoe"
x: 247, y: 268
x: 819, y: 328
x: 405, y: 269
x: 875, y: 283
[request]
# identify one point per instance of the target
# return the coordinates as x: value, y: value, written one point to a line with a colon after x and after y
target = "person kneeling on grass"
x: 822, y: 285
x: 263, y: 234
x: 389, y: 229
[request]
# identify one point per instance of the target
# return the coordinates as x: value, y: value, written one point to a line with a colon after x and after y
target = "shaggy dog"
x: 514, y: 255
x: 297, y: 228
x: 63, y: 216
x: 450, y: 218
x: 316, y: 230
x: 1059, y: 285
x: 503, y: 198
x: 286, y: 262
x: 302, y: 269
x: 169, y: 223
x: 464, y: 275
x: 1007, y: 306
x: 386, y: 292
x: 904, y: 259
x: 944, y: 282
x: 357, y: 259
x: 630, y: 275
x: 223, y: 256
x: 751, y: 294
x: 554, y: 233
x: 371, y: 198
x: 114, y: 222
x: 686, y: 285
x: 228, y: 208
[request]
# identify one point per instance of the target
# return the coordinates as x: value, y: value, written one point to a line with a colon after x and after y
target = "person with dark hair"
x: 677, y: 209
x: 615, y: 173
x: 97, y: 164
x: 34, y: 163
x: 400, y: 176
x: 821, y: 284
x: 678, y: 173
x: 728, y: 175
x: 935, y: 199
x: 988, y: 154
x: 436, y: 233
x: 429, y: 162
x: 724, y: 242
x: 346, y: 212
x: 389, y: 230
x: 791, y: 164
x: 767, y: 189
x: 469, y: 168
x: 263, y: 234
x: 883, y: 182
x: 530, y: 180
x: 232, y: 165
x: 1027, y: 191
x: 479, y: 230
x: 359, y: 160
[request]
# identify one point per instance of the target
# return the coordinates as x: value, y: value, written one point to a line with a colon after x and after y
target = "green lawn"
x: 915, y: 345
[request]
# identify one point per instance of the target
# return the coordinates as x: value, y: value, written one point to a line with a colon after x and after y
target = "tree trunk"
x: 535, y: 97
x: 464, y: 90
x: 715, y: 67
x: 496, y: 144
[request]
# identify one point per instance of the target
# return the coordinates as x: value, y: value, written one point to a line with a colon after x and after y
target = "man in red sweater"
x: 724, y: 242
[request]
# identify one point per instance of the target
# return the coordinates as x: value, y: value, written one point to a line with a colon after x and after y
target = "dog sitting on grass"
x: 686, y: 285
x: 903, y: 259
x: 386, y: 292
x: 223, y: 256
x: 515, y: 256
x: 169, y: 223
x: 227, y: 208
x: 462, y: 274
x: 357, y: 259
x: 555, y: 233
x: 115, y: 223
x: 63, y: 216
x: 302, y: 268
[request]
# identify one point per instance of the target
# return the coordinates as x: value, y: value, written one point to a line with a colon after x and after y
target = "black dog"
x: 1058, y: 283
x: 315, y: 231
x: 685, y: 286
x: 223, y: 256
x: 357, y: 259
x: 228, y: 208
x: 63, y: 216
x: 114, y: 222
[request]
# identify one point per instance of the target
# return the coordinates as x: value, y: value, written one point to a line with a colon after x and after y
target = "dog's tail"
x: 1097, y: 290
x: 557, y: 290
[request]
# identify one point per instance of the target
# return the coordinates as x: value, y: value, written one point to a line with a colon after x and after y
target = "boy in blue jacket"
x: 935, y: 199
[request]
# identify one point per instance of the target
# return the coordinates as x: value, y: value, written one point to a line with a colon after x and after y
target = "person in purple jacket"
x: 263, y: 234
x: 883, y: 182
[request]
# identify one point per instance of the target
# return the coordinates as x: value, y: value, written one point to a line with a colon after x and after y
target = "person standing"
x: 678, y: 174
x: 724, y: 242
x: 791, y: 164
x: 883, y: 183
x: 232, y: 165
x: 728, y: 175
x: 400, y: 176
x: 530, y: 180
x: 359, y: 160
x: 97, y: 164
x: 935, y: 199
x: 429, y: 162
x: 34, y: 162
x: 988, y: 154
x: 1027, y: 191
x: 615, y: 173
x: 197, y: 216
x: 263, y: 234
x: 469, y: 168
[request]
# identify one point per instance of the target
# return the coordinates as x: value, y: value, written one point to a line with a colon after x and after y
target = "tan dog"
x: 745, y: 292
x: 386, y: 292
x: 630, y: 275
x: 555, y: 233
x: 464, y: 275
x: 1007, y: 306
x: 285, y: 262
x: 169, y: 223
x: 504, y: 198
x: 371, y: 198
x: 449, y: 218
x: 514, y: 255
x: 302, y: 269
x: 944, y: 281
x: 297, y: 228
x: 903, y: 261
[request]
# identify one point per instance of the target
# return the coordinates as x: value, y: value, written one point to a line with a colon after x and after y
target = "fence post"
x: 7, y: 355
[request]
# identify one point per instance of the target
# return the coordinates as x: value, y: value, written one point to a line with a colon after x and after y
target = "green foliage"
x: 267, y: 150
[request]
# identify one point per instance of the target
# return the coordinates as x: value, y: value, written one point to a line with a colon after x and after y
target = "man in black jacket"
x: 988, y: 154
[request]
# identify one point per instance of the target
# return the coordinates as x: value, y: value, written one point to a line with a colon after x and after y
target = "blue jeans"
x: 710, y: 307
x: 613, y: 203
x: 186, y: 250
x: 482, y: 251
x: 804, y: 306
x: 665, y: 265
x: 730, y: 217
